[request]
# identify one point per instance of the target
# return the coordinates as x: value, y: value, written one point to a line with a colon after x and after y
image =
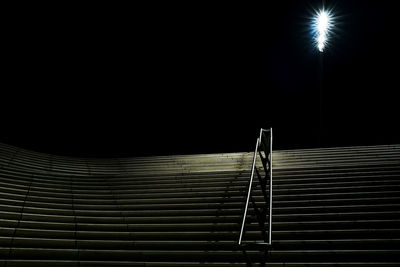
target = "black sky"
x: 104, y: 80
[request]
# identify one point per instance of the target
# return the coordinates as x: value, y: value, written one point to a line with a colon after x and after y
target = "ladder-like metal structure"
x: 263, y: 151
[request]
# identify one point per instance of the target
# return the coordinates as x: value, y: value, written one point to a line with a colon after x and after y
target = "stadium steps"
x: 332, y: 207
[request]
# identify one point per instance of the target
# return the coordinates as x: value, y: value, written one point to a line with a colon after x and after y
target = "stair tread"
x: 331, y: 207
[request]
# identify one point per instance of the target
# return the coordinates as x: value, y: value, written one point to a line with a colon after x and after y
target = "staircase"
x: 332, y: 207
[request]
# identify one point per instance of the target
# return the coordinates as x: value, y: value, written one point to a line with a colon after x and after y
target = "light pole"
x: 321, y: 26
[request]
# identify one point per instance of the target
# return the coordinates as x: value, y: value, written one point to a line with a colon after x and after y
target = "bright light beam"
x: 322, y: 25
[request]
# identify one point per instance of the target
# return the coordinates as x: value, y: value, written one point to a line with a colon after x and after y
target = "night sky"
x: 110, y: 80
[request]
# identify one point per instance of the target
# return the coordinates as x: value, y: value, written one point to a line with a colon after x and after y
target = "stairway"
x: 332, y: 207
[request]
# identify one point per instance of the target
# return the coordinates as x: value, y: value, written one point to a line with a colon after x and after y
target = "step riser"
x: 332, y: 207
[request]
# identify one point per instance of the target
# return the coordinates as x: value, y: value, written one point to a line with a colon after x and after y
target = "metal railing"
x: 263, y: 151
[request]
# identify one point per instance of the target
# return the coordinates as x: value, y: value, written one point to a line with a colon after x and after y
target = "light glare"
x: 322, y: 22
x: 322, y: 25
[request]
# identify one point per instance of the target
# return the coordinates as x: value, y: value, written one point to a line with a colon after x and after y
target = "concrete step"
x: 332, y: 207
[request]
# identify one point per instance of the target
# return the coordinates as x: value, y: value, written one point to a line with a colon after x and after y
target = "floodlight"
x: 322, y: 24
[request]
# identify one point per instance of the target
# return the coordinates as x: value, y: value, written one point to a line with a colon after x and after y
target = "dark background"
x: 102, y: 80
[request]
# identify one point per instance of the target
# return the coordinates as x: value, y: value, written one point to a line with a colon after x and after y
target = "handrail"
x: 262, y: 144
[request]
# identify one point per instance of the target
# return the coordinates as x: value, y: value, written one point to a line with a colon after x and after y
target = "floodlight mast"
x: 322, y: 23
x: 321, y: 27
